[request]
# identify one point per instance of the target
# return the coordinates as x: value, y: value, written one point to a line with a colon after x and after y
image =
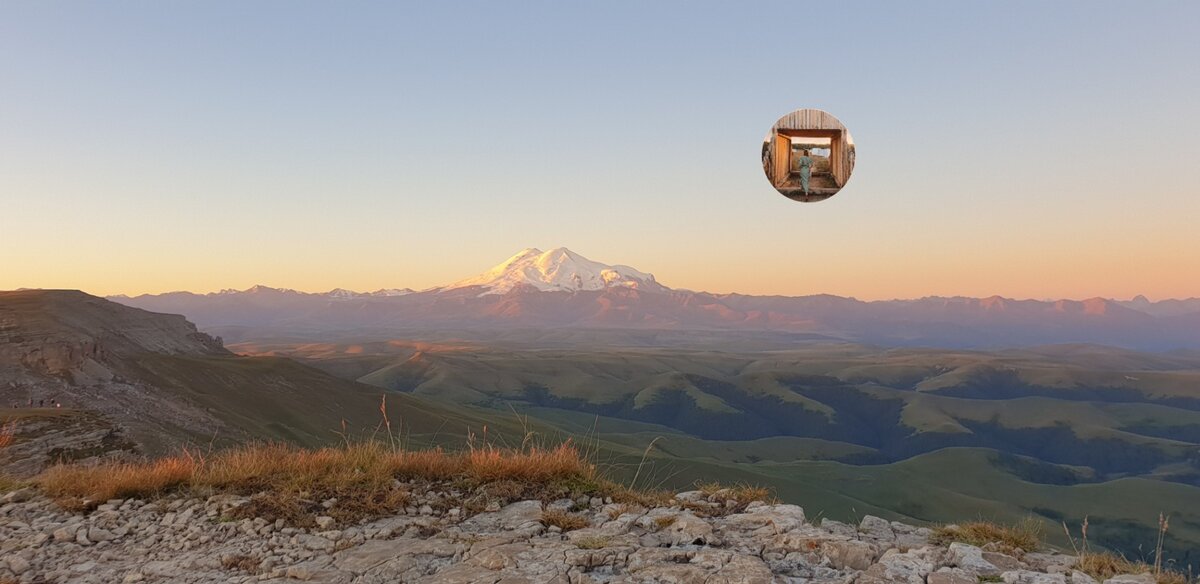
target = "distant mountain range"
x: 560, y: 288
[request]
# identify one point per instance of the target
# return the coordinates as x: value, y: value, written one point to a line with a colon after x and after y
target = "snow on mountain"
x: 391, y: 292
x: 255, y: 289
x: 557, y: 270
x: 335, y: 294
x: 343, y: 294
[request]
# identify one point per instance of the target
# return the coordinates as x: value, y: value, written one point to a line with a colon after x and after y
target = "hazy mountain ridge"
x: 560, y: 288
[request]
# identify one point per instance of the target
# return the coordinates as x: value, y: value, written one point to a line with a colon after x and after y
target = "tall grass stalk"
x: 646, y: 453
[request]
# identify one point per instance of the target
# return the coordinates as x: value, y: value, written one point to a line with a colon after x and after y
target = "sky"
x: 1027, y: 149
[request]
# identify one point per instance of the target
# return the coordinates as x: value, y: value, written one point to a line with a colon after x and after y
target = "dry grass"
x: 78, y: 487
x: 290, y: 483
x: 8, y: 433
x: 242, y: 562
x: 593, y: 542
x: 740, y: 493
x: 1105, y: 565
x: 622, y: 509
x: 563, y: 520
x: 729, y: 499
x: 1024, y: 536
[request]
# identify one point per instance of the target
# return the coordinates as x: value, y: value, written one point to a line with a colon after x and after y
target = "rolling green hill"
x: 921, y: 434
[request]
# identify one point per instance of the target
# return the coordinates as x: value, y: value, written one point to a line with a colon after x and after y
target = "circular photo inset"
x: 808, y: 155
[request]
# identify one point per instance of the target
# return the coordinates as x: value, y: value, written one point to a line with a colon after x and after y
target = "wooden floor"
x: 820, y: 187
x: 812, y: 196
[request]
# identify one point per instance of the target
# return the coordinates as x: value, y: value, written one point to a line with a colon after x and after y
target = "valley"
x: 927, y: 410
x: 1060, y: 432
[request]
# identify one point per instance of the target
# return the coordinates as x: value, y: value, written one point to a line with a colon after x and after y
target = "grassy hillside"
x: 925, y: 435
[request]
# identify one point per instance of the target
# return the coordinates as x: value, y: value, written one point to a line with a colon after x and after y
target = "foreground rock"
x: 192, y: 540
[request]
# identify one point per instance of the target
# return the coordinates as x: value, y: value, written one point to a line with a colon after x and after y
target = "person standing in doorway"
x: 806, y: 164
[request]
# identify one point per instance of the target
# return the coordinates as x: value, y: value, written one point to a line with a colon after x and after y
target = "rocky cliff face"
x: 83, y: 378
x: 69, y: 386
x: 689, y: 540
x: 72, y: 335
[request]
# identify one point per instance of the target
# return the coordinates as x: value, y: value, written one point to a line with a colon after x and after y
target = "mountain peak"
x: 557, y: 270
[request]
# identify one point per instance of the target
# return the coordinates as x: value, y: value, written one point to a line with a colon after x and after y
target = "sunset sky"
x: 1027, y: 149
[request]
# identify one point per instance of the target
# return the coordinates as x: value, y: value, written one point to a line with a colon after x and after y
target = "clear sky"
x: 1028, y: 149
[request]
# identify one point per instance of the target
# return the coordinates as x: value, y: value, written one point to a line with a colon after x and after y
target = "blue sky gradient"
x: 1027, y: 149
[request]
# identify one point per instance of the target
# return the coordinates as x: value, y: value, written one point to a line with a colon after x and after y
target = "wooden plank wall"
x: 809, y: 120
x: 840, y: 163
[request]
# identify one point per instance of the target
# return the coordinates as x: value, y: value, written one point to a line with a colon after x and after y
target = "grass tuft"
x: 1105, y: 565
x: 727, y: 499
x: 8, y: 434
x: 594, y: 542
x: 623, y: 508
x: 563, y: 520
x: 1024, y: 536
x: 242, y: 562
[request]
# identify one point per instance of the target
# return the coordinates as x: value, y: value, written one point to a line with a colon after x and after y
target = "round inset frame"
x: 808, y: 155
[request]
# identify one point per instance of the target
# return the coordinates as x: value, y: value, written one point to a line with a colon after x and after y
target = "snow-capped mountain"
x: 560, y: 288
x: 557, y: 270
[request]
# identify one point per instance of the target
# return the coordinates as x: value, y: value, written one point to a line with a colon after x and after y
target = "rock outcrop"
x: 83, y: 379
x: 76, y: 336
x: 196, y: 540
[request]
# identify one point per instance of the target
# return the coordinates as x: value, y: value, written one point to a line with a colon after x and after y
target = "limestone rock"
x: 952, y: 576
x: 970, y: 559
x: 1132, y: 579
x: 877, y: 529
x: 1030, y: 577
x: 850, y: 554
x: 689, y: 529
x: 901, y: 567
x: 194, y: 541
